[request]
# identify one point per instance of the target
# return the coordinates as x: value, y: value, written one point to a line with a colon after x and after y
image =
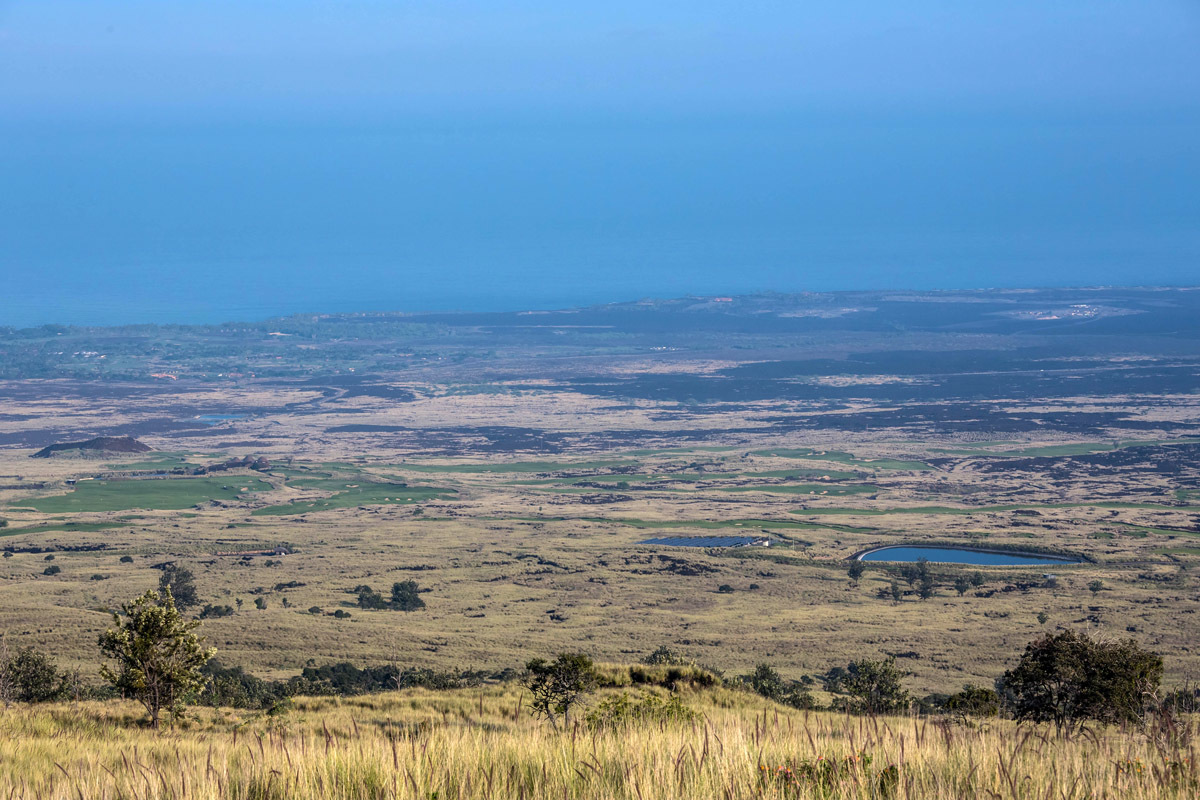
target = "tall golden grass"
x: 482, y: 743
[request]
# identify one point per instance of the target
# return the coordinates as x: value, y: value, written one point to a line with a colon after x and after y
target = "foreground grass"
x: 483, y: 744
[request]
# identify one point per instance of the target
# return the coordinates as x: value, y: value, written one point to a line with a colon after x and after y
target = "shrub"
x: 768, y: 683
x: 99, y: 577
x: 29, y: 676
x: 53, y: 569
x: 210, y: 610
x: 974, y: 701
x: 1070, y: 677
x: 725, y: 588
x: 871, y: 687
x: 126, y: 559
x: 665, y: 655
x: 626, y: 710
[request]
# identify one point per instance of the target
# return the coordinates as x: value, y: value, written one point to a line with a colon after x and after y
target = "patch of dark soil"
x: 1174, y: 460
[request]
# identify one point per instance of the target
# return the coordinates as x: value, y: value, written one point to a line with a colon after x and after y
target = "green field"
x: 844, y: 458
x: 984, y: 509
x: 829, y: 490
x: 168, y: 493
x: 354, y: 495
x: 65, y: 527
x: 520, y: 466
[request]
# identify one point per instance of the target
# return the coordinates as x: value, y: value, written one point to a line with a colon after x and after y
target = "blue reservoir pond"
x: 963, y: 555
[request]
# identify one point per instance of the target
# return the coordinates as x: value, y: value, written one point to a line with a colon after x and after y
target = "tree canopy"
x: 1070, y: 677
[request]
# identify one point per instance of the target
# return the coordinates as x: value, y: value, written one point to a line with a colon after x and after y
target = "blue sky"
x: 172, y: 161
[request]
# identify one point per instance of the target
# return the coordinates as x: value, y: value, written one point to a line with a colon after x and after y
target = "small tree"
x: 873, y: 687
x: 1096, y: 587
x: 406, y: 597
x: 1070, y: 677
x: 158, y: 655
x: 977, y: 579
x: 856, y: 570
x: 181, y: 583
x: 897, y: 593
x: 961, y: 584
x: 768, y: 683
x: 558, y: 686
x: 28, y: 676
x: 926, y: 588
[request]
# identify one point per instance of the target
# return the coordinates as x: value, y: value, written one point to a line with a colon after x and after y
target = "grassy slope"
x: 482, y: 743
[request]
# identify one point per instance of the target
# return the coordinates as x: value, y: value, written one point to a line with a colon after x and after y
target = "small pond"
x: 963, y: 555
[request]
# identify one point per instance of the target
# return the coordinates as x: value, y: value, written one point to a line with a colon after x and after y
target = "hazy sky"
x: 191, y: 161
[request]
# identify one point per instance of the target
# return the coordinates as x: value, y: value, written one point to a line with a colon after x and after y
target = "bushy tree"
x: 961, y: 584
x: 768, y: 683
x: 975, y: 701
x: 560, y: 685
x: 158, y: 655
x: 181, y: 583
x: 872, y: 687
x: 1070, y: 677
x: 856, y: 570
x: 406, y: 597
x: 28, y: 676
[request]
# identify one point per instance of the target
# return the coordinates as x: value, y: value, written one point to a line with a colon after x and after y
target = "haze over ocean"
x: 163, y: 163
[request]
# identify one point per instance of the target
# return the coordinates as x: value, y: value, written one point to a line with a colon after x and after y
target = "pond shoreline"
x: 1049, y: 559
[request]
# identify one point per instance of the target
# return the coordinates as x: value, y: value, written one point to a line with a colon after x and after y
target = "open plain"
x: 513, y: 464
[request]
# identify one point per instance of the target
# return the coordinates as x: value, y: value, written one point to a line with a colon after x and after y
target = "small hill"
x: 102, y: 444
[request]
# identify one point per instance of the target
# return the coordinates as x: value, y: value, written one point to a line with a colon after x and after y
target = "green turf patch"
x: 521, y: 466
x: 65, y: 527
x: 983, y: 509
x: 824, y: 489
x: 365, y: 494
x: 165, y: 494
x: 844, y: 458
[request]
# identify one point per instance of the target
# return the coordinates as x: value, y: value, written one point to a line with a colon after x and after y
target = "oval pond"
x: 962, y: 555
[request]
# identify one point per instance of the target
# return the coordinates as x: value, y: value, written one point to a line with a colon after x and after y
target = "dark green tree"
x: 158, y: 656
x: 974, y: 701
x: 856, y: 570
x: 560, y: 685
x: 768, y: 683
x: 961, y: 584
x: 182, y: 585
x: 28, y: 676
x: 1069, y: 678
x: 874, y: 687
x: 406, y: 596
